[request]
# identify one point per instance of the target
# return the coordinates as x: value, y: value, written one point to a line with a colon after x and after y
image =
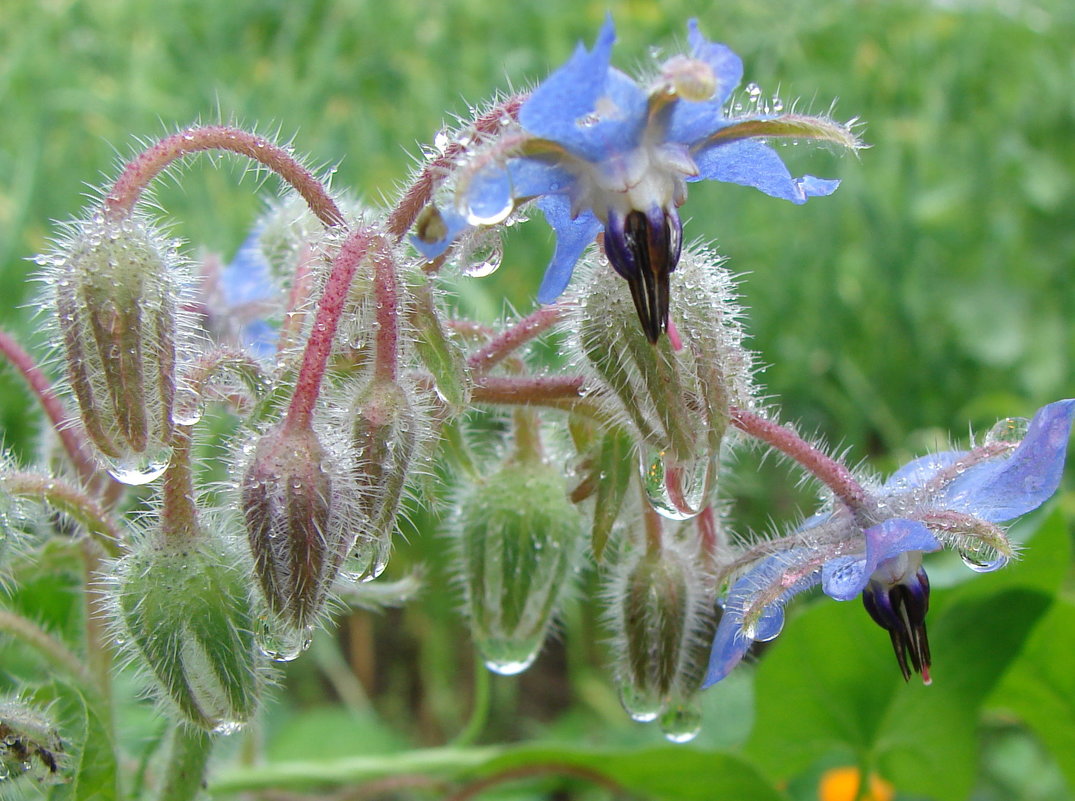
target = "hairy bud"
x: 116, y: 286
x: 297, y: 532
x: 30, y: 745
x: 659, y: 613
x: 183, y: 606
x: 676, y: 399
x: 519, y: 538
x: 386, y: 433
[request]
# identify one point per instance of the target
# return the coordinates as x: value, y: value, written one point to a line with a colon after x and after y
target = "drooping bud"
x: 900, y: 608
x: 677, y: 399
x: 519, y: 538
x: 387, y: 428
x: 30, y: 745
x: 292, y: 496
x: 117, y: 284
x: 183, y: 606
x: 660, y: 601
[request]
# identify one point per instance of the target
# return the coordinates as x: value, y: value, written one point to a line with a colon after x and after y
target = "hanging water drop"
x: 676, y: 491
x: 643, y: 705
x: 681, y: 722
x: 484, y: 256
x: 981, y: 558
x: 138, y: 469
x: 508, y: 657
x: 281, y: 642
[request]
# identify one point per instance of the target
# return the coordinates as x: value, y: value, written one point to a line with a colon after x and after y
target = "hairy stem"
x: 827, y: 470
x: 386, y: 295
x: 140, y: 172
x: 184, y: 775
x: 48, y: 646
x: 66, y: 428
x: 71, y: 501
x: 526, y: 329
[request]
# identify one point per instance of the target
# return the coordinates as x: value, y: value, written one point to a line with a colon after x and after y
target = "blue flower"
x: 247, y: 293
x: 599, y: 152
x: 954, y: 498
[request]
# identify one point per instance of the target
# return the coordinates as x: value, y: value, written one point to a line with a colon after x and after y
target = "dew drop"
x: 777, y: 103
x: 1010, y: 430
x: 441, y: 140
x: 681, y: 722
x: 484, y: 256
x: 187, y: 408
x: 227, y: 727
x: 982, y: 558
x: 676, y: 491
x: 138, y: 469
x: 507, y: 656
x: 753, y: 91
x: 281, y: 642
x: 641, y: 704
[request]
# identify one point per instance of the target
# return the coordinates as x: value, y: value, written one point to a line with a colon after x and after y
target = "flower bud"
x: 117, y: 287
x: 677, y: 399
x: 183, y: 606
x: 30, y: 745
x: 438, y: 350
x: 386, y: 432
x: 519, y: 540
x: 659, y: 614
x: 291, y: 496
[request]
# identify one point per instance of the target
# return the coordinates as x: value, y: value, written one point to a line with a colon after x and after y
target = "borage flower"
x: 600, y: 152
x: 954, y: 499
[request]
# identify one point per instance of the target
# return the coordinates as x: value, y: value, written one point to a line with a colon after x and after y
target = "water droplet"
x: 187, y: 408
x: 484, y: 256
x: 1010, y: 430
x: 676, y: 491
x: 753, y: 91
x: 509, y: 656
x: 441, y: 140
x: 138, y: 469
x: 227, y: 727
x: 981, y: 558
x: 281, y: 642
x: 777, y: 103
x: 681, y: 722
x: 642, y: 704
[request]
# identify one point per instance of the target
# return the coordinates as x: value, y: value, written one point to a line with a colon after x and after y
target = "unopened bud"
x: 117, y: 286
x: 297, y: 531
x: 30, y: 746
x: 184, y: 607
x: 659, y: 615
x: 387, y: 429
x: 677, y: 399
x: 519, y: 537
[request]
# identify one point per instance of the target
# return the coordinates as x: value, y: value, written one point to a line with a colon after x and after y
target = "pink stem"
x: 66, y: 428
x: 531, y: 326
x: 496, y: 389
x: 386, y: 295
x: 138, y: 173
x: 327, y: 320
x: 419, y: 194
x: 833, y: 474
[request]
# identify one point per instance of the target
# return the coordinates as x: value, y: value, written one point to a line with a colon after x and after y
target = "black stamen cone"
x: 644, y: 248
x: 901, y: 610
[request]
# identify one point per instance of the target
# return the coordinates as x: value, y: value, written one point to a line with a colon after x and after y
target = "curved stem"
x: 827, y: 470
x: 48, y: 646
x: 434, y: 173
x: 140, y: 172
x: 327, y: 320
x: 66, y: 428
x: 531, y: 326
x: 69, y: 500
x: 479, y: 713
x: 187, y: 761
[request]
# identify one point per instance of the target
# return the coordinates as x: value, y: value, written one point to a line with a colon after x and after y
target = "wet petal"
x: 918, y: 472
x: 789, y: 573
x: 437, y: 235
x: 1003, y: 489
x: 751, y: 163
x: 573, y: 236
x: 693, y: 121
x: 532, y: 177
x: 845, y: 577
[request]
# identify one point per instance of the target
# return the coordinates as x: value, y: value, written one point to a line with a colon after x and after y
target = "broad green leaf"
x: 92, y: 769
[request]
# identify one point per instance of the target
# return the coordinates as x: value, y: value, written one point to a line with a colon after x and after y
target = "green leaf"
x: 92, y: 768
x: 1040, y: 687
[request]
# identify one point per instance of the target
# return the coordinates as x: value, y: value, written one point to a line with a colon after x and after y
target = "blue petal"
x: 454, y: 223
x: 693, y: 121
x: 918, y: 472
x: 259, y: 338
x: 573, y: 236
x: 560, y: 108
x: 247, y: 279
x: 533, y: 177
x: 751, y: 163
x: 1003, y: 489
x: 731, y: 642
x: 845, y: 577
